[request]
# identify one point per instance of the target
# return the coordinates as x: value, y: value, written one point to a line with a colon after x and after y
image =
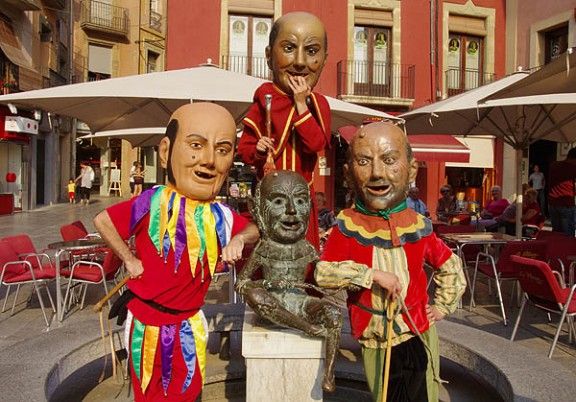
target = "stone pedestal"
x: 282, y: 365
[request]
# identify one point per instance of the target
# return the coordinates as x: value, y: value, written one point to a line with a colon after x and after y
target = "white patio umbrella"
x: 519, y: 121
x: 137, y: 137
x: 147, y: 100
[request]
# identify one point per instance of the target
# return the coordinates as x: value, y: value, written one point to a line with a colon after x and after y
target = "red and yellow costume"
x: 400, y: 244
x: 297, y: 138
x: 178, y: 241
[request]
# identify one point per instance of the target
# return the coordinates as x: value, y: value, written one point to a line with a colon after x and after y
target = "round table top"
x: 77, y: 244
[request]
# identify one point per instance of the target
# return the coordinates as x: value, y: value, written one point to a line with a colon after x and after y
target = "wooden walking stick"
x: 269, y: 166
x: 98, y: 308
x: 389, y: 331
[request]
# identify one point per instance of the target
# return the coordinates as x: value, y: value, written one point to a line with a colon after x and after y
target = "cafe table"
x: 485, y: 239
x: 63, y: 247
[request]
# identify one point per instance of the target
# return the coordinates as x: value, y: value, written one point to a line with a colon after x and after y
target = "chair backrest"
x: 7, y: 254
x: 533, y: 249
x: 559, y: 247
x: 73, y: 231
x: 111, y: 264
x: 538, y: 281
x: 21, y: 244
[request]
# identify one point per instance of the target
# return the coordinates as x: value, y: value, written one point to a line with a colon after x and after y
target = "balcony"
x: 57, y: 4
x: 377, y: 83
x: 461, y: 80
x: 155, y: 21
x: 104, y: 17
x: 253, y: 66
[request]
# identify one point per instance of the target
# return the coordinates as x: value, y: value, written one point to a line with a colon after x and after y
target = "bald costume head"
x: 380, y: 165
x: 198, y: 149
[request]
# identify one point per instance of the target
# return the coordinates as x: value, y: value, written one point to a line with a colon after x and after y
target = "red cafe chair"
x: 542, y: 289
x: 87, y: 273
x: 19, y: 272
x: 504, y: 269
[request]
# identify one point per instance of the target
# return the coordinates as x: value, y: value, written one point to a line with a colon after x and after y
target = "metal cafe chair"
x: 542, y: 288
x: 503, y: 268
x: 86, y: 273
x: 16, y: 271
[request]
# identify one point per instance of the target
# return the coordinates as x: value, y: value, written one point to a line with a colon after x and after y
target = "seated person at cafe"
x: 494, y: 208
x: 413, y: 201
x: 532, y: 218
x: 447, y: 210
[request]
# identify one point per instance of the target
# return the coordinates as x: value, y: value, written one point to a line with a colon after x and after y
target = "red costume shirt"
x: 160, y: 282
x: 400, y: 245
x: 297, y: 138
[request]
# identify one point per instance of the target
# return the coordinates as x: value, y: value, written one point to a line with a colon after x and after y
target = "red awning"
x: 427, y: 148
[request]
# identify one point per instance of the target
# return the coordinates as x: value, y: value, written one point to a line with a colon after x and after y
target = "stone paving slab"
x: 28, y: 351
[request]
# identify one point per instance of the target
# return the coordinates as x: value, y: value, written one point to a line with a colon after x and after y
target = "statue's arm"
x: 244, y: 281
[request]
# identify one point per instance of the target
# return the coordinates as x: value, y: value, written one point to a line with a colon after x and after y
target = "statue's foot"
x: 329, y: 384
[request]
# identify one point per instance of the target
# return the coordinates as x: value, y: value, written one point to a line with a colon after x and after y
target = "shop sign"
x: 18, y: 124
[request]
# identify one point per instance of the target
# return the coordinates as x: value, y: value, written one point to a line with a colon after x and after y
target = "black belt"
x: 119, y: 308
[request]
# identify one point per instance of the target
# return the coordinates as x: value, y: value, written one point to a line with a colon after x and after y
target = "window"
x: 248, y: 38
x: 465, y: 63
x: 372, y: 66
x: 152, y: 62
x: 556, y: 43
x: 99, y: 62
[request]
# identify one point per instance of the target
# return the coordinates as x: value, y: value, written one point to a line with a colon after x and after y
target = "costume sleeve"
x: 310, y: 133
x: 120, y: 215
x: 314, y: 134
x: 449, y: 278
x: 337, y: 268
x: 342, y: 274
x: 248, y: 140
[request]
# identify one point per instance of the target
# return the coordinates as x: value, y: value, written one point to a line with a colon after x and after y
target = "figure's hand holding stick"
x: 98, y: 306
x: 269, y: 166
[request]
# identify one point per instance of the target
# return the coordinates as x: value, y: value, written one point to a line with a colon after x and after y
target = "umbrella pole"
x: 519, y: 195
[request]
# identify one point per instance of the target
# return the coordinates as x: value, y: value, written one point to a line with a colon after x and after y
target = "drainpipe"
x: 432, y: 51
x: 72, y: 167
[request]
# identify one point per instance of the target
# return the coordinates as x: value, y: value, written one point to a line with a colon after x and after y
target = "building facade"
x: 45, y: 43
x: 390, y: 55
x: 115, y: 39
x: 535, y: 36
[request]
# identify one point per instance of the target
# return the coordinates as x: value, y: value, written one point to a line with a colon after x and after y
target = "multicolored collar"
x: 404, y: 226
x: 177, y: 223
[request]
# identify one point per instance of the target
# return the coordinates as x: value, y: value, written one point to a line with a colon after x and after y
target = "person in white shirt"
x: 537, y: 181
x: 416, y: 203
x: 86, y: 178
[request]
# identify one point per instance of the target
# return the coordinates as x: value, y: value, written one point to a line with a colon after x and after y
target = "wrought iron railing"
x: 461, y: 80
x: 104, y: 17
x: 253, y: 66
x: 375, y: 79
x: 155, y: 21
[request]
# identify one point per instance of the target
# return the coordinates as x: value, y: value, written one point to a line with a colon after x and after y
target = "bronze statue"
x: 281, y: 208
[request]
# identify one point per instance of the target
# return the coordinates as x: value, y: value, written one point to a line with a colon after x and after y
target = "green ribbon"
x: 383, y: 213
x: 137, y: 341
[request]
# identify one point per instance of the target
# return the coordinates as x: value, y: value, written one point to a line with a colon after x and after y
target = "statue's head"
x: 380, y: 165
x: 198, y: 149
x: 298, y: 46
x: 281, y: 206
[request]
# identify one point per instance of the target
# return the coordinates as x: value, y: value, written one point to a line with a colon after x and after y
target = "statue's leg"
x: 267, y: 306
x: 330, y: 317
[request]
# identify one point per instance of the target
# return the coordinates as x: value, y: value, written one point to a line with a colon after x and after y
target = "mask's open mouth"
x: 378, y: 191
x: 204, y: 175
